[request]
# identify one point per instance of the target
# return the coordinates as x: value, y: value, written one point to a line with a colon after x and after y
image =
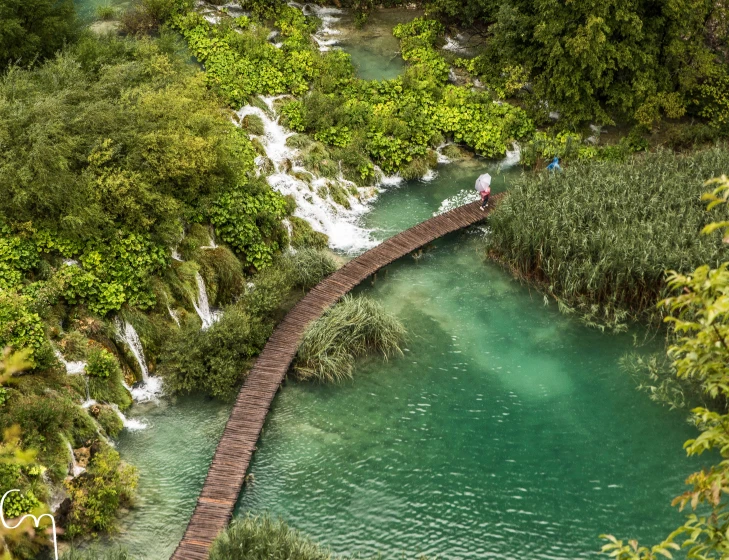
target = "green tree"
x: 31, y: 29
x: 592, y: 60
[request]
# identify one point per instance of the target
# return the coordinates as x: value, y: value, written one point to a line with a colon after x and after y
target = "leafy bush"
x: 213, y: 361
x: 355, y: 327
x: 254, y: 538
x: 250, y: 222
x: 600, y: 235
x: 97, y: 494
x: 20, y: 329
x: 102, y: 363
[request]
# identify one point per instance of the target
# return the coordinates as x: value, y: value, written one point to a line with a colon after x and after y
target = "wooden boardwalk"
x: 227, y: 471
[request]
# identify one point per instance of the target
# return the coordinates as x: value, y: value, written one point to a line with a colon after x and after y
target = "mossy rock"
x: 266, y: 166
x: 453, y: 152
x: 416, y: 169
x: 340, y: 195
x: 303, y: 235
x: 253, y: 124
x: 258, y: 147
x: 108, y: 419
x: 298, y: 141
x: 110, y: 390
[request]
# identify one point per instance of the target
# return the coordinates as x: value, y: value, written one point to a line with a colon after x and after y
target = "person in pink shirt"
x: 483, y: 186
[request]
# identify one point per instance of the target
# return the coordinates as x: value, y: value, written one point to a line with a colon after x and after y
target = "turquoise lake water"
x: 505, y: 431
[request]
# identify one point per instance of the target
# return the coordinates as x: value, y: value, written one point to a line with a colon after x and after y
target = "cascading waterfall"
x: 174, y: 316
x: 313, y: 205
x: 202, y: 306
x: 326, y: 36
x: 72, y: 368
x: 151, y: 386
x: 131, y: 424
x: 75, y: 468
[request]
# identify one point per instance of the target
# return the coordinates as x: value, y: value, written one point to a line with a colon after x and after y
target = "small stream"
x: 506, y: 431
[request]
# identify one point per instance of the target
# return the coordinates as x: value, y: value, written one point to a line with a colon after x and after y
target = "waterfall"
x: 131, y: 424
x: 213, y: 244
x: 513, y: 157
x: 72, y: 368
x: 311, y: 192
x: 202, y: 306
x: 174, y: 316
x: 151, y: 386
x: 75, y: 469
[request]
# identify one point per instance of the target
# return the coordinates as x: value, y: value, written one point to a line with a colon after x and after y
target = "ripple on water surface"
x: 506, y: 430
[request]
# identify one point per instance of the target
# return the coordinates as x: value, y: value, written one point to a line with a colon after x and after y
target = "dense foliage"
x: 698, y: 312
x: 215, y: 361
x: 33, y: 29
x: 637, y: 60
x: 355, y: 327
x: 600, y: 235
x: 395, y: 124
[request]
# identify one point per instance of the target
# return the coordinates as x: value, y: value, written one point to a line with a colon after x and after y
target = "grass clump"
x: 254, y: 538
x: 355, y: 327
x: 310, y: 266
x: 600, y: 236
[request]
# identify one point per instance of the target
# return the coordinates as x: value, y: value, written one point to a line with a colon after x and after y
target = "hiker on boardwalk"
x: 483, y: 186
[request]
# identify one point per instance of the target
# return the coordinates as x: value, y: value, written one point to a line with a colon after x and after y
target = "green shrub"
x: 101, y: 363
x: 355, y: 327
x: 261, y: 538
x: 213, y: 361
x: 96, y: 496
x: 601, y: 235
x: 310, y: 266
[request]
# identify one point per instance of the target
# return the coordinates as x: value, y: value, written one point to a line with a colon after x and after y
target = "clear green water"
x: 506, y: 431
x: 172, y: 455
x: 375, y: 52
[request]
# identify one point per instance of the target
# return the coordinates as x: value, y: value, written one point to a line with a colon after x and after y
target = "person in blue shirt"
x: 554, y: 166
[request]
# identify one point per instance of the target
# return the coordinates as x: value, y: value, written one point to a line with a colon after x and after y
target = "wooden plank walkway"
x: 227, y: 471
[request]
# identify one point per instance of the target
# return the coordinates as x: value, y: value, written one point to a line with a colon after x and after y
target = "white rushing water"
x: 131, y: 424
x: 327, y: 35
x: 310, y: 191
x: 151, y: 386
x: 173, y: 314
x: 202, y: 306
x: 75, y: 469
x: 72, y: 368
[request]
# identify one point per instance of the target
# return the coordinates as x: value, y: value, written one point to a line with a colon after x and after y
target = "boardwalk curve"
x: 227, y: 471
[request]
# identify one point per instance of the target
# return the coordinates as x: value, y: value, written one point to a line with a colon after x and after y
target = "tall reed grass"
x: 600, y: 236
x: 355, y: 327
